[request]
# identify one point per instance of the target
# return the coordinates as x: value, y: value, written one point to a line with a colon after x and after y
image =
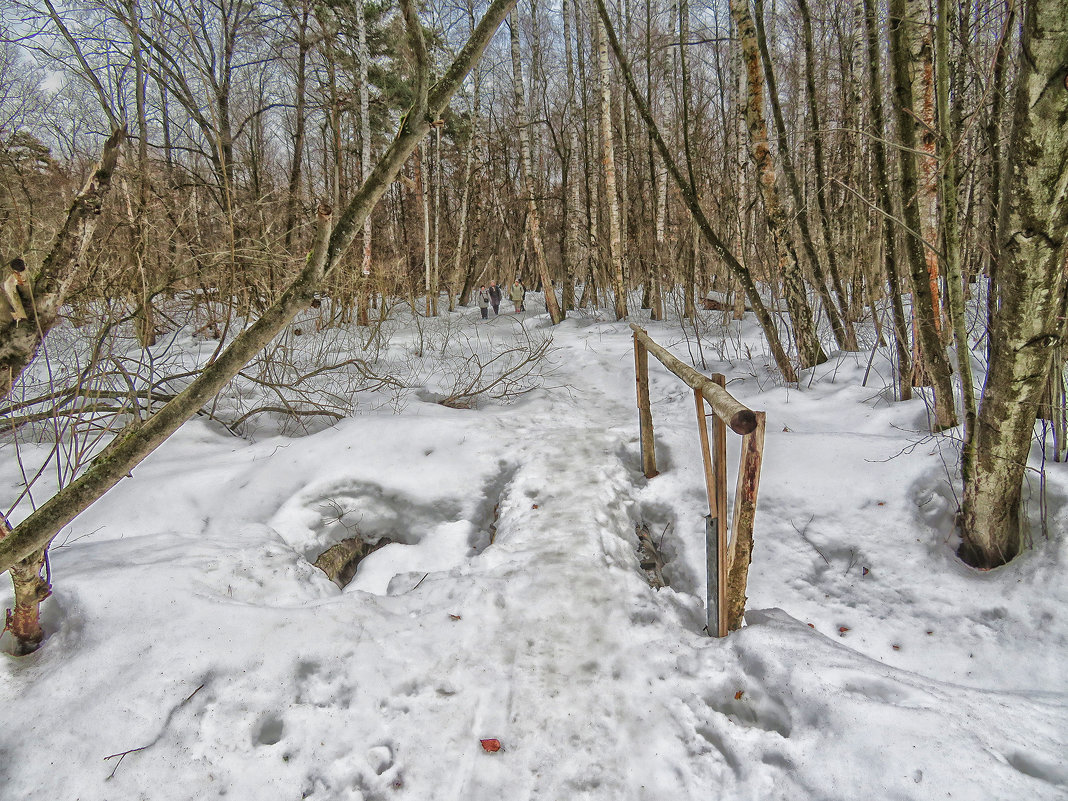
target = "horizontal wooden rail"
x: 740, y: 419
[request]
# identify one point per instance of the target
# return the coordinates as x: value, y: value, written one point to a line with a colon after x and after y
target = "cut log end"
x: 743, y: 422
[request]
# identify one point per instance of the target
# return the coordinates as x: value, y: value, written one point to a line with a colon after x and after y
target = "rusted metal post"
x: 740, y: 554
x: 645, y: 413
x: 714, y: 553
x: 719, y: 463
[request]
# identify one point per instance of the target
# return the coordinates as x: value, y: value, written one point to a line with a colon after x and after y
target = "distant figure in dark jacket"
x: 495, y: 297
x: 483, y: 301
x: 516, y: 294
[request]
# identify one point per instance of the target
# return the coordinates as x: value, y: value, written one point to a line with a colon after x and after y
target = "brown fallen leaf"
x: 455, y: 617
x: 738, y: 695
x: 491, y: 745
x: 843, y: 629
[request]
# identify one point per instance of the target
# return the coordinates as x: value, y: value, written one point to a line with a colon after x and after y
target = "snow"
x: 189, y: 622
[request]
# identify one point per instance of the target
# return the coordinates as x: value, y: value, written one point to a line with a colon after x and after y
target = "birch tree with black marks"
x: 1028, y: 323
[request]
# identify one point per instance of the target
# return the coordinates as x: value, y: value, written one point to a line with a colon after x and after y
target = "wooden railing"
x: 727, y: 563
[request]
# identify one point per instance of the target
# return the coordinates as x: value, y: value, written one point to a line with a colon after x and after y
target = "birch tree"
x: 1033, y: 263
x: 527, y: 167
x: 924, y: 294
x: 809, y: 349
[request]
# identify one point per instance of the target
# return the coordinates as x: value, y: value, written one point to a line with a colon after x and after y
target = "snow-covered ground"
x: 194, y: 651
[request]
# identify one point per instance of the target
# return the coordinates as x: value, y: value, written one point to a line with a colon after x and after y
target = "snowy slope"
x: 188, y: 620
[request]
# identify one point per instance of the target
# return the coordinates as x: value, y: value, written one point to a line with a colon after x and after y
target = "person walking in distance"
x: 516, y: 295
x: 495, y: 297
x: 483, y: 301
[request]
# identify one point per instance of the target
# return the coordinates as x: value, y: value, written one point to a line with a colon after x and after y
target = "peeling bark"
x: 1027, y: 326
x: 924, y: 296
x: 808, y: 345
x: 19, y: 343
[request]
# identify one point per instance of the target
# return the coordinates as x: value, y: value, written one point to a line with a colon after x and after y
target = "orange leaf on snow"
x: 491, y: 745
x: 843, y: 629
x: 738, y: 695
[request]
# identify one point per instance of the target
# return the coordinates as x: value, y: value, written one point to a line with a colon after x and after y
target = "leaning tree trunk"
x: 19, y: 343
x: 1027, y: 326
x: 809, y: 349
x: 843, y: 335
x: 821, y: 178
x: 130, y: 448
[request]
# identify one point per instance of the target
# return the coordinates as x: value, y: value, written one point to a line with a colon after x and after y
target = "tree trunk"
x: 300, y: 125
x: 615, y: 241
x: 950, y: 228
x: 993, y: 138
x: 363, y: 301
x: 923, y: 304
x: 886, y: 202
x: 918, y: 30
x: 144, y: 314
x: 849, y: 341
x: 533, y: 211
x: 465, y: 201
x: 689, y: 307
x: 31, y: 589
x: 809, y: 349
x: 1028, y: 324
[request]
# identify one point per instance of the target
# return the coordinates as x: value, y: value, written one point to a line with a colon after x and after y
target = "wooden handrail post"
x: 741, y: 547
x: 738, y: 417
x: 645, y: 413
x: 727, y: 564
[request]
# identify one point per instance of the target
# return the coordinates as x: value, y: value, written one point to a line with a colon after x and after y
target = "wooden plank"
x: 645, y: 414
x: 738, y: 417
x: 740, y: 552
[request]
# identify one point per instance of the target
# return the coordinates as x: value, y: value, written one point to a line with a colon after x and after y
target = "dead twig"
x: 123, y: 754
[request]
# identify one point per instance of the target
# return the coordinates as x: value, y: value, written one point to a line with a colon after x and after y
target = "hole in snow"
x: 270, y: 731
